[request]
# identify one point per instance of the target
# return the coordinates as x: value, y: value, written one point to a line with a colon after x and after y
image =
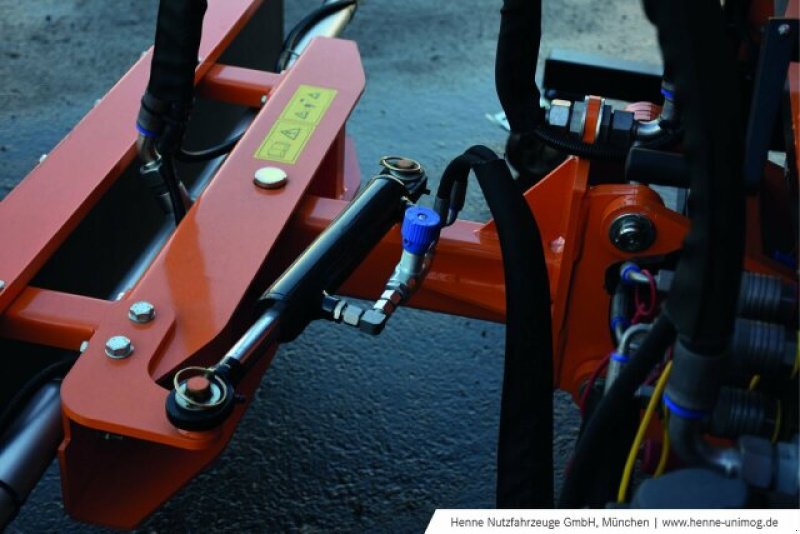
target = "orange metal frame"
x: 235, y: 239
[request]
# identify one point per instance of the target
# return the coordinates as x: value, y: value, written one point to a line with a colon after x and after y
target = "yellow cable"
x: 754, y: 382
x: 662, y: 460
x: 778, y: 416
x: 645, y: 422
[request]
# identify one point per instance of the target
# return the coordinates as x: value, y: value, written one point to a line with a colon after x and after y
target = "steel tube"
x: 27, y: 448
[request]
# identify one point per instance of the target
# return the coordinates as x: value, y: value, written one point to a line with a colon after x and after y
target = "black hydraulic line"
x: 604, y: 422
x: 515, y: 73
x: 525, y: 442
x: 178, y: 29
x: 53, y: 371
x: 209, y: 153
x: 702, y: 300
x: 515, y: 63
x: 167, y: 171
x: 302, y: 28
x: 167, y: 102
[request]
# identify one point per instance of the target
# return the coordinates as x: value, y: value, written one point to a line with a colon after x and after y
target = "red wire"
x: 592, y: 379
x: 643, y: 311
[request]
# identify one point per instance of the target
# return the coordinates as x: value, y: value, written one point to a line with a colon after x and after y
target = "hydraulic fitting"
x: 739, y: 412
x: 420, y: 231
x: 762, y: 348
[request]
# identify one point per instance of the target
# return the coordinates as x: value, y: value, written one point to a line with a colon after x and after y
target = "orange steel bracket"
x: 197, y: 284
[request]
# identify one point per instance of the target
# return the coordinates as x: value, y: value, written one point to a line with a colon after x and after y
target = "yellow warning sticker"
x: 288, y: 136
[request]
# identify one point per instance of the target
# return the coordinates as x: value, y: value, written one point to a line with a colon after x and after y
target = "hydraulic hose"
x: 178, y: 30
x: 702, y: 300
x: 167, y: 101
x: 515, y: 64
x: 304, y: 26
x: 515, y: 73
x: 605, y: 422
x: 525, y: 442
x: 703, y: 297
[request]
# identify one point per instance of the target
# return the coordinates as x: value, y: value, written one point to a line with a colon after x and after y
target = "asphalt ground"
x: 347, y: 432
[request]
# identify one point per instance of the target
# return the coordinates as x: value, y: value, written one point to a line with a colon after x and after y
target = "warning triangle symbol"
x: 302, y: 114
x: 315, y: 96
x: 291, y: 133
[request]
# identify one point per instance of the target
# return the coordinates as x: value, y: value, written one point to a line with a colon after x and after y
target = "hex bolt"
x: 198, y: 388
x: 632, y: 232
x: 141, y: 312
x: 784, y: 29
x: 2, y: 285
x: 119, y: 347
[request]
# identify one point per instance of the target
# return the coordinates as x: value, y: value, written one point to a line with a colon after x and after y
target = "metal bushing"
x: 632, y: 232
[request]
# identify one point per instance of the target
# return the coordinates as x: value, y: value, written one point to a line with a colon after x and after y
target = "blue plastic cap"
x: 420, y: 229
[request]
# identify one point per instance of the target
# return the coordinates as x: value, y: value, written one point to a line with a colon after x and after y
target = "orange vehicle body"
x: 236, y: 238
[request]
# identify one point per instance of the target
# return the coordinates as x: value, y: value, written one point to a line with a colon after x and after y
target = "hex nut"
x: 632, y: 232
x: 352, y: 314
x: 141, y: 312
x: 577, y: 121
x: 559, y: 113
x: 757, y: 461
x: 118, y: 347
x: 373, y: 322
x: 622, y: 125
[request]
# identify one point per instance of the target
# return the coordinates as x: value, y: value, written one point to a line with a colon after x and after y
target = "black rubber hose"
x: 604, y: 422
x: 702, y: 300
x: 525, y: 443
x: 53, y: 371
x: 515, y: 63
x: 173, y: 187
x: 304, y: 26
x: 178, y: 29
x: 515, y: 81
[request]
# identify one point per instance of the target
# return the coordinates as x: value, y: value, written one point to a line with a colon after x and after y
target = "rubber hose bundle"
x: 515, y: 81
x: 525, y: 443
x: 703, y: 305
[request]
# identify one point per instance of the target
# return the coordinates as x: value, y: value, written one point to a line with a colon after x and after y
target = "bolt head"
x: 784, y: 29
x: 632, y: 232
x: 270, y: 178
x: 141, y: 312
x: 2, y: 285
x: 118, y: 347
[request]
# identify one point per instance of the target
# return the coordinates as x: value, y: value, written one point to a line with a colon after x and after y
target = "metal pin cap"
x: 270, y: 178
